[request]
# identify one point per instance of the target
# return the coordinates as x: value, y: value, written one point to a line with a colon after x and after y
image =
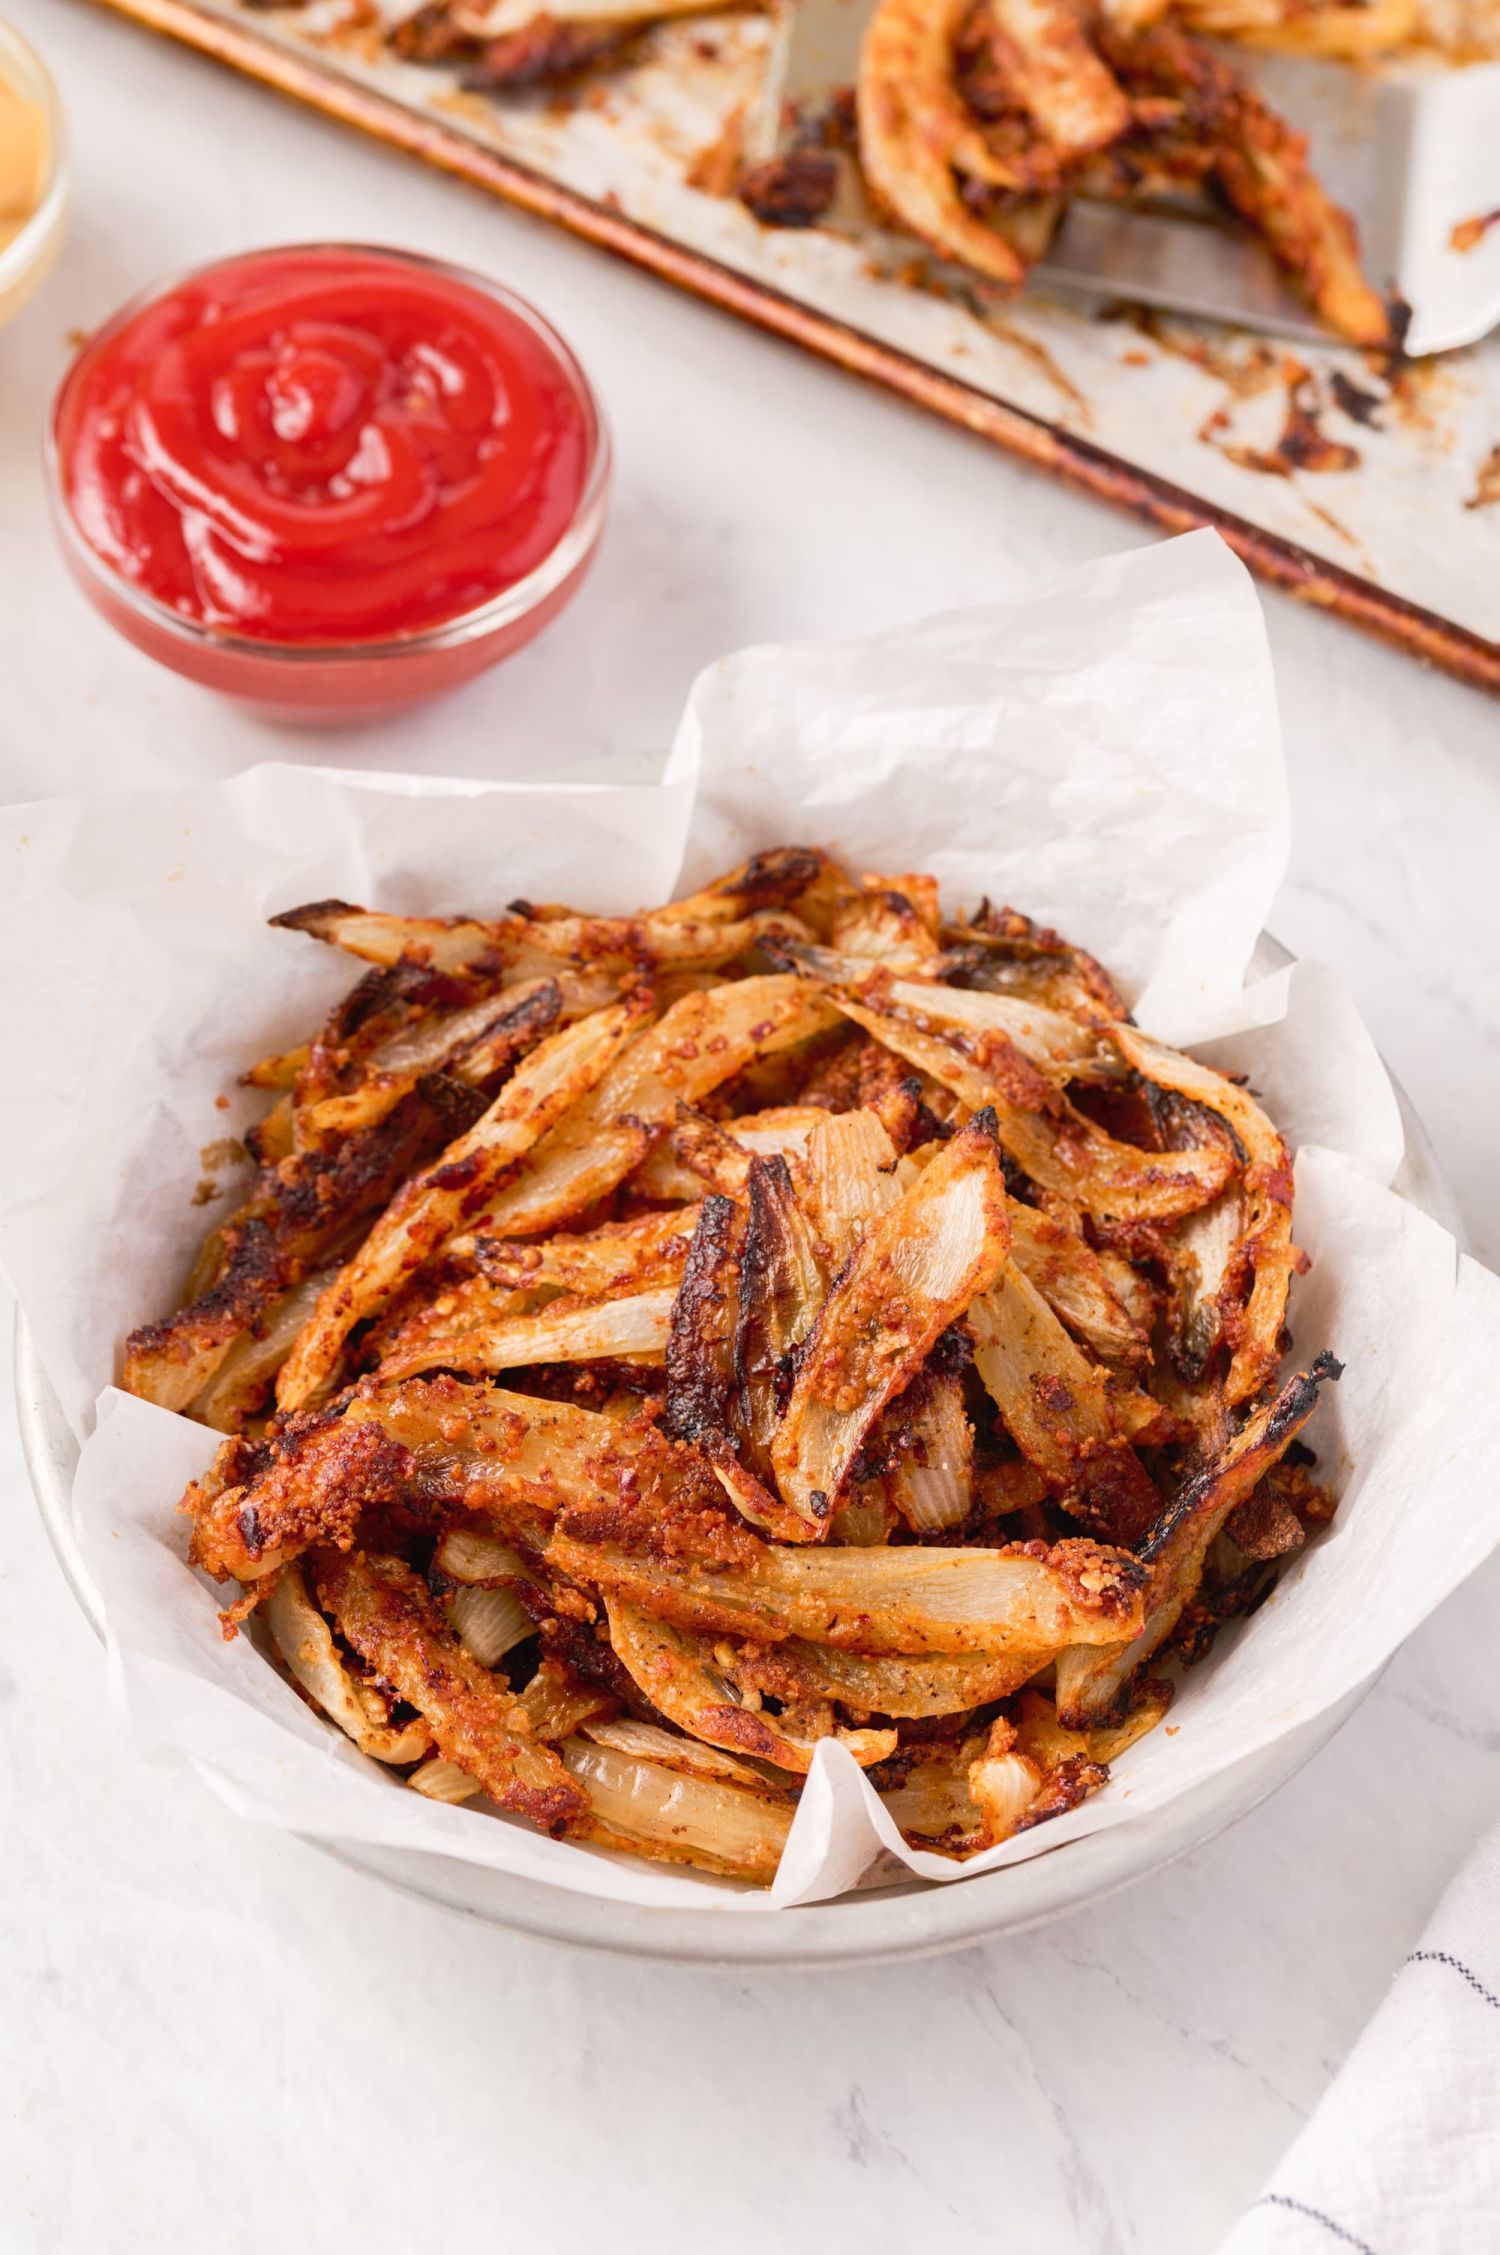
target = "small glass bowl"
x: 28, y: 257
x: 332, y: 681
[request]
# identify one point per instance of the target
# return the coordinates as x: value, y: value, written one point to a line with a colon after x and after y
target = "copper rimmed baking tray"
x: 1368, y: 491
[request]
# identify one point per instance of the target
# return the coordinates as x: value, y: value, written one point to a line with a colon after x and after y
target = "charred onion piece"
x: 1059, y: 1411
x: 701, y: 1042
x: 384, y: 1611
x: 913, y: 1272
x: 429, y: 1208
x: 1092, y: 1684
x: 679, y: 1675
x: 1254, y: 1276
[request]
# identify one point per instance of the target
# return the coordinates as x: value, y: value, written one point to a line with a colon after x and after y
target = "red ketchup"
x: 326, y: 450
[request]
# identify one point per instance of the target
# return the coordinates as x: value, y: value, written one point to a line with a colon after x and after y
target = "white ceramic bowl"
x: 909, y: 1919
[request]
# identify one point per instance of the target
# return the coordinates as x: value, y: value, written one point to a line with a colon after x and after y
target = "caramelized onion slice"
x: 905, y: 1598
x: 702, y: 1041
x: 931, y: 1480
x: 1058, y: 1411
x: 301, y: 1206
x: 847, y: 1169
x: 1263, y: 1261
x: 489, y: 1623
x: 547, y: 1085
x: 620, y: 1256
x: 1077, y: 1285
x: 1065, y: 1155
x: 438, y: 1780
x: 466, y: 1556
x: 1065, y: 1046
x: 384, y: 1611
x: 916, y: 133
x: 447, y: 943
x: 632, y: 1328
x: 1092, y: 1685
x: 239, y: 1386
x: 933, y: 1806
x: 511, y: 1456
x: 883, y: 924
x: 781, y: 1290
x: 913, y: 1272
x: 684, y: 1680
x: 912, y: 1685
x: 648, y: 1810
x: 648, y: 1742
x: 1055, y: 76
x: 305, y: 1642
x: 471, y: 1045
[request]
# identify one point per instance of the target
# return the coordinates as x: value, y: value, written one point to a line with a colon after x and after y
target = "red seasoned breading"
x: 861, y: 1073
x: 679, y: 1513
x: 589, y: 1656
x: 384, y: 1611
x: 1265, y: 1525
x: 320, y: 1483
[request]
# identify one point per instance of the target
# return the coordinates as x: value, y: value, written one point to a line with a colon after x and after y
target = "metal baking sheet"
x: 1369, y: 491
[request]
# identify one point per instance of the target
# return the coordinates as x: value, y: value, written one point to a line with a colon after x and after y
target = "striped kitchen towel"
x: 1402, y: 2157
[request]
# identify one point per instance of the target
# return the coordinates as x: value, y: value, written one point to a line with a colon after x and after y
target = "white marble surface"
x: 214, y: 2038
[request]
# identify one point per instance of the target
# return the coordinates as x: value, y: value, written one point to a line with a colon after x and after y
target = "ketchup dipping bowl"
x: 328, y: 479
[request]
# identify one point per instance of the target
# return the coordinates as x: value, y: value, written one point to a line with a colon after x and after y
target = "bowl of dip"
x: 33, y: 172
x: 328, y: 479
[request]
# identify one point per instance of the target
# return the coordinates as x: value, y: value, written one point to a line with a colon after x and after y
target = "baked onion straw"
x: 979, y: 120
x: 651, y: 1346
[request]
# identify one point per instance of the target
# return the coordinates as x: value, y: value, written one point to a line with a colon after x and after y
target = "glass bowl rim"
x: 508, y: 608
x: 31, y: 78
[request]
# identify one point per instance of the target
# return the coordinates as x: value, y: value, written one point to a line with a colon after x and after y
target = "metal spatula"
x: 1412, y: 154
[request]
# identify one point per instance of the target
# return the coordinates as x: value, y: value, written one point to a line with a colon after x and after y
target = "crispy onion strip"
x: 240, y: 1384
x: 702, y: 1041
x: 384, y: 1611
x: 1092, y: 1684
x: 891, y: 1600
x: 513, y: 1457
x: 1058, y: 1411
x: 1067, y: 1156
x: 931, y: 1477
x: 676, y: 1817
x: 305, y: 1642
x: 913, y: 1272
x: 550, y: 1084
x: 915, y: 130
x: 1258, y: 1271
x: 633, y: 1328
x: 679, y: 1674
x: 1076, y: 1285
x: 627, y: 1256
x: 1056, y: 76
